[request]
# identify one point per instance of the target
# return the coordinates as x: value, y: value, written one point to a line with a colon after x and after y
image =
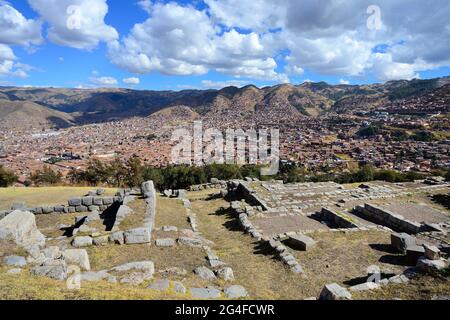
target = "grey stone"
x: 93, y: 276
x: 165, y: 242
x: 19, y: 206
x: 136, y: 278
x: 432, y: 252
x: 107, y: 201
x: 81, y: 242
x: 144, y: 266
x: 137, y: 236
x: 16, y: 261
x: 160, y: 285
x: 334, y: 292
x: 179, y: 288
x: 174, y: 271
x: 226, y: 274
x: 205, y: 273
x: 413, y: 253
x: 169, y: 229
x: 192, y: 242
x: 81, y: 209
x: 14, y: 271
x: 430, y: 266
x: 52, y: 252
x: 235, y: 292
x: 301, y: 242
x: 75, y: 202
x: 365, y: 286
x: 123, y: 211
x: 20, y: 227
x: 78, y: 257
x: 93, y: 208
x: 117, y: 237
x: 59, y: 209
x: 57, y: 272
x: 48, y: 210
x: 205, y: 293
x: 100, y: 191
x: 167, y: 193
x: 87, y: 201
x: 399, y: 279
x: 401, y: 241
x: 97, y: 201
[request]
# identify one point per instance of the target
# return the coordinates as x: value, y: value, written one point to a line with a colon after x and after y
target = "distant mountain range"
x: 54, y: 107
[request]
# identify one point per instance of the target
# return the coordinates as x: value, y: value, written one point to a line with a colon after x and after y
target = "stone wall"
x: 336, y: 219
x: 245, y: 192
x: 88, y: 203
x: 389, y: 219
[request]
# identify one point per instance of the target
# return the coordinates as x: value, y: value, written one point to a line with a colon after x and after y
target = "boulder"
x: 87, y: 201
x: 226, y: 274
x: 100, y: 191
x: 334, y: 292
x: 167, y: 193
x: 20, y: 227
x: 413, y: 253
x: 192, y: 242
x: 15, y: 261
x: 365, y: 286
x: 205, y: 293
x: 136, y: 278
x: 432, y: 252
x: 19, y: 206
x: 430, y: 266
x: 205, y: 273
x: 78, y: 257
x: 52, y: 252
x: 160, y: 285
x: 123, y: 211
x: 144, y: 266
x: 301, y: 242
x: 235, y: 292
x: 137, y: 236
x: 75, y: 202
x: 81, y: 242
x: 147, y: 187
x: 179, y: 288
x: 57, y: 272
x: 165, y: 242
x: 401, y: 241
x: 117, y: 237
x: 169, y: 229
x: 93, y: 276
x: 107, y: 201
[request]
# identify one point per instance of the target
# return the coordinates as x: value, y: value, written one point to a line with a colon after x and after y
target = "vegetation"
x: 7, y: 178
x: 368, y: 131
x: 46, y: 176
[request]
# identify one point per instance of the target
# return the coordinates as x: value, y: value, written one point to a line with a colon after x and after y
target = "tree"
x: 46, y: 176
x: 7, y: 178
x: 134, y: 172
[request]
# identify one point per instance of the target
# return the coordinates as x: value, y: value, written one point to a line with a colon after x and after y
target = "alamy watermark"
x: 74, y: 17
x: 374, y: 22
x: 236, y: 147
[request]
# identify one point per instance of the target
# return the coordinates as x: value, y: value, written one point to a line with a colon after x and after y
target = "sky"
x: 202, y: 44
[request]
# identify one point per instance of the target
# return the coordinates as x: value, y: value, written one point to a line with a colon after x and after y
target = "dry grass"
x: 42, y: 196
x: 423, y: 288
x: 135, y: 219
x: 170, y: 212
x: 254, y: 268
x: 28, y: 287
x: 49, y: 224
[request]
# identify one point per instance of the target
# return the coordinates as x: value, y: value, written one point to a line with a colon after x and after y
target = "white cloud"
x: 76, y: 23
x: 131, y: 81
x: 181, y: 40
x: 8, y: 64
x: 104, y: 81
x: 343, y: 81
x: 16, y: 29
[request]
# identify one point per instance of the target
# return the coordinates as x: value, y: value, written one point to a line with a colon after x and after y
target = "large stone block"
x: 87, y: 201
x: 74, y: 202
x: 334, y: 292
x: 81, y: 242
x: 401, y: 241
x: 137, y: 236
x: 20, y: 227
x: 301, y: 242
x: 78, y: 257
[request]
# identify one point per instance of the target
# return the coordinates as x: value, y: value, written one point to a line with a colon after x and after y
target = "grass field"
x: 43, y: 196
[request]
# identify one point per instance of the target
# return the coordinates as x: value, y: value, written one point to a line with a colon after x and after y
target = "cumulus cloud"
x: 104, y: 81
x: 76, y: 23
x: 210, y: 84
x: 16, y: 29
x: 131, y: 81
x: 8, y: 64
x: 182, y: 40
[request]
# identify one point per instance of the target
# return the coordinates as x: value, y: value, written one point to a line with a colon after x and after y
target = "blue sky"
x: 214, y: 43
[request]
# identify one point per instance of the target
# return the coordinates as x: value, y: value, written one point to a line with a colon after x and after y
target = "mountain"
x: 25, y: 114
x: 62, y: 107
